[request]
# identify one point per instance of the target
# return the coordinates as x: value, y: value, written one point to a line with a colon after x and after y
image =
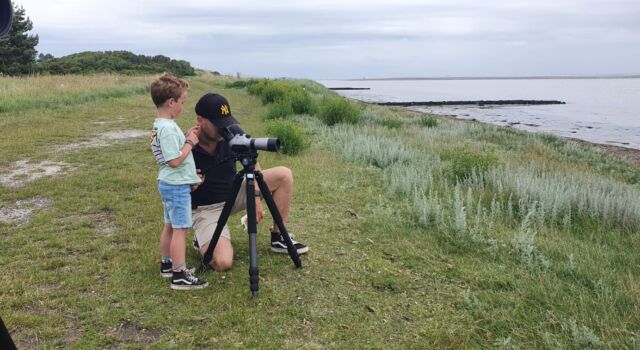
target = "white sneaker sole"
x: 189, y: 287
x: 285, y: 251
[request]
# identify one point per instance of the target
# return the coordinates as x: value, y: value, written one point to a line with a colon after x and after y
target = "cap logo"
x: 224, y: 110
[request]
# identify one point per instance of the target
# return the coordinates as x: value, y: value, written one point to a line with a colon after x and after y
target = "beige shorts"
x: 205, y: 217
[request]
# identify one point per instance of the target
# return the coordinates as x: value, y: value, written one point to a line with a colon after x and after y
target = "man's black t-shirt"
x: 219, y: 171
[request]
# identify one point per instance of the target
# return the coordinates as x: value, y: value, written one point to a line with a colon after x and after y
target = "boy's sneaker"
x: 166, y: 269
x: 279, y: 246
x: 185, y: 280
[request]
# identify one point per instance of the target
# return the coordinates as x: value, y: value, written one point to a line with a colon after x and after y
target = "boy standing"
x: 176, y: 178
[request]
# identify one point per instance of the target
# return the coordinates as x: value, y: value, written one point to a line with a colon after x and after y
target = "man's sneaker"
x: 185, y: 280
x: 279, y: 246
x: 166, y: 269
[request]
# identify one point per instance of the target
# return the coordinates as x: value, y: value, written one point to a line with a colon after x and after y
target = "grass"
x: 402, y: 254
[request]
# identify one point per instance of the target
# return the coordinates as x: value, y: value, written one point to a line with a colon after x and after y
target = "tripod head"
x: 6, y: 16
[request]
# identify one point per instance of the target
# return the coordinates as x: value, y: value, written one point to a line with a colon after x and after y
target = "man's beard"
x: 212, y: 138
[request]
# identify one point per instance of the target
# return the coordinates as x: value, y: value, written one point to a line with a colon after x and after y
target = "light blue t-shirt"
x: 166, y: 141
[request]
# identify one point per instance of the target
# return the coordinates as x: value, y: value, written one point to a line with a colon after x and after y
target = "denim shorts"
x: 176, y: 200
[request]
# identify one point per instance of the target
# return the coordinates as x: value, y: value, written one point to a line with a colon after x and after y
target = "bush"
x: 121, y: 62
x: 429, y: 122
x: 241, y: 84
x: 339, y: 110
x: 301, y: 102
x: 257, y: 88
x: 464, y: 162
x: 291, y: 136
x: 391, y: 123
x: 280, y: 109
x: 274, y: 91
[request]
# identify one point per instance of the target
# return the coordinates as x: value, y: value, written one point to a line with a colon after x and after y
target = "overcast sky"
x: 355, y: 38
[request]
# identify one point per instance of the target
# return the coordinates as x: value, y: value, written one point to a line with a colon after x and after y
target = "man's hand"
x: 192, y: 134
x: 201, y: 176
x: 259, y: 210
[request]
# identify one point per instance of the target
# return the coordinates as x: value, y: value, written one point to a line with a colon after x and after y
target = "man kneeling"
x: 215, y: 161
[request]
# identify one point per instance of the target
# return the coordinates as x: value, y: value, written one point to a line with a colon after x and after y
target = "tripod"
x: 248, y: 161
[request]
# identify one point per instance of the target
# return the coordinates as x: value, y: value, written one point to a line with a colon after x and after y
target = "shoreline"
x: 631, y: 155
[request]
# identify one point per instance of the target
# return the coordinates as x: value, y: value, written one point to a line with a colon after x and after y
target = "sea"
x: 598, y: 110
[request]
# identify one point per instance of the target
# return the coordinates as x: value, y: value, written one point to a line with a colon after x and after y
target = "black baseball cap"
x: 215, y: 108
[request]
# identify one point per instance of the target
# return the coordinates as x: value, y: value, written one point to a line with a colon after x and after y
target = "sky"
x: 342, y: 39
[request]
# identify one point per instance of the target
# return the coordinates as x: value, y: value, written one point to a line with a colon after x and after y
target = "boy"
x: 176, y: 179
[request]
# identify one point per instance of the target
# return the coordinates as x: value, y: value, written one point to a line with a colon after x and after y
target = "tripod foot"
x: 202, y: 268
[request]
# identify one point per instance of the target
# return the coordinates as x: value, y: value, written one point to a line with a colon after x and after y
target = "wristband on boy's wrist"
x: 190, y: 143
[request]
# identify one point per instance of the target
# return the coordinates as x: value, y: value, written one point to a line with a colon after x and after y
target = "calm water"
x: 596, y: 110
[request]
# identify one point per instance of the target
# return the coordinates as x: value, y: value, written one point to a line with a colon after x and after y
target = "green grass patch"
x: 464, y: 162
x: 535, y: 250
x: 428, y: 122
x: 391, y: 123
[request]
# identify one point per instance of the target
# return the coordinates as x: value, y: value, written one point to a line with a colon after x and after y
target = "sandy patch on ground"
x: 108, y: 122
x: 104, y: 139
x: 24, y: 172
x: 21, y: 211
x: 129, y: 332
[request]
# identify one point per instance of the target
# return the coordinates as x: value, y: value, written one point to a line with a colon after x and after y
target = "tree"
x: 18, y: 49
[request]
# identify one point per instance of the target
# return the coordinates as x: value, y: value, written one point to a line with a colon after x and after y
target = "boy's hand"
x: 192, y: 134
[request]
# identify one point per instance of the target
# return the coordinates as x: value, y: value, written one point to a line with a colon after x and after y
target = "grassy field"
x: 442, y: 235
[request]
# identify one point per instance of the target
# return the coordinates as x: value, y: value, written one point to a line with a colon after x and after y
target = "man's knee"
x: 221, y: 264
x: 283, y: 174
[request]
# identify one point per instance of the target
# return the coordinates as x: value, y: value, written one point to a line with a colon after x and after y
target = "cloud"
x: 331, y: 38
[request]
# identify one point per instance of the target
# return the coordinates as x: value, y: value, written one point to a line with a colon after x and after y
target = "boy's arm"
x: 192, y: 140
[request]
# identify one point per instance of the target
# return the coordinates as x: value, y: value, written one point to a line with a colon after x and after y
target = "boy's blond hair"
x: 167, y: 86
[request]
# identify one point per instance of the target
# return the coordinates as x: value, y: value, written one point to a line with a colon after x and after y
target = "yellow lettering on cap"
x: 224, y: 110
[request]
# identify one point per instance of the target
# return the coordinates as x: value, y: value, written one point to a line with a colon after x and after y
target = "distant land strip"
x: 476, y: 103
x: 348, y: 88
x: 622, y: 76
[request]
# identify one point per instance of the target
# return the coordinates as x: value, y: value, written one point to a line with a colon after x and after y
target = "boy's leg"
x: 165, y: 240
x: 183, y: 278
x: 166, y: 266
x: 178, y: 248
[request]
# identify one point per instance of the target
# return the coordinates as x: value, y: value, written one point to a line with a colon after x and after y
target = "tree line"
x: 18, y: 56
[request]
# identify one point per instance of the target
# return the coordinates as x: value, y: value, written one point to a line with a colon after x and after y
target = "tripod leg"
x: 273, y: 209
x: 254, y: 272
x: 5, y: 338
x: 224, y: 216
